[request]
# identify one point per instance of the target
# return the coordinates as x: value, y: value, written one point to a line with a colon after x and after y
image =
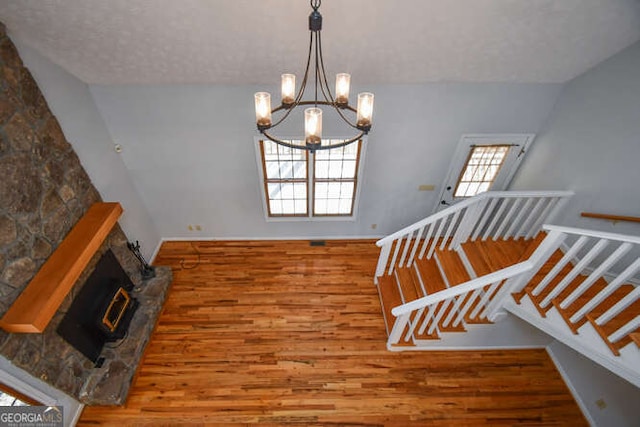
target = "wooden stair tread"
x: 617, y: 321
x: 635, y: 337
x: 431, y: 276
x: 453, y: 268
x: 503, y: 253
x: 590, y: 293
x: 537, y: 299
x: 532, y: 245
x: 477, y: 257
x: 540, y: 274
x: 408, y: 287
x: 389, y: 298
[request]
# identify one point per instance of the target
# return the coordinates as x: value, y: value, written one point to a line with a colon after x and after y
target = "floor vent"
x: 317, y: 243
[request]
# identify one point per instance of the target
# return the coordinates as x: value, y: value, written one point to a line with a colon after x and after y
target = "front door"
x: 482, y: 163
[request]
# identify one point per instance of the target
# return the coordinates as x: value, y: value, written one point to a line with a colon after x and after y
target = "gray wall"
x: 190, y: 151
x: 71, y: 102
x: 590, y: 382
x: 592, y: 145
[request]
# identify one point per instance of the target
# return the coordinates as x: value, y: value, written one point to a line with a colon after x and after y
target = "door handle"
x: 444, y: 202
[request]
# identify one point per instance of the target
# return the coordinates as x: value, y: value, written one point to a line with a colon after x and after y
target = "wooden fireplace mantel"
x: 36, y: 305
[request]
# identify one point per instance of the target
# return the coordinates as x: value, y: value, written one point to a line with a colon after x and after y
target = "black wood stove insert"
x: 102, y: 310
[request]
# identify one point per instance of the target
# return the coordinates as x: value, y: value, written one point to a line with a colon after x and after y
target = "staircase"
x: 490, y: 255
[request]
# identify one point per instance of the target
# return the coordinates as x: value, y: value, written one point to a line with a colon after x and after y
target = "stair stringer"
x: 509, y: 332
x: 587, y: 342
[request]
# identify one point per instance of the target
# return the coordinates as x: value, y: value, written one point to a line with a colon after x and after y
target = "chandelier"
x: 313, y: 114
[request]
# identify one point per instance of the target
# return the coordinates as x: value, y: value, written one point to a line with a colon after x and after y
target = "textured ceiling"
x: 378, y: 41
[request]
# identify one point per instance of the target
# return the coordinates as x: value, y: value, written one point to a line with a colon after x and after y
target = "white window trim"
x: 310, y: 217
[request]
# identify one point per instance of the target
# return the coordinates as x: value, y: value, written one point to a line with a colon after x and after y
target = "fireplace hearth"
x: 102, y: 310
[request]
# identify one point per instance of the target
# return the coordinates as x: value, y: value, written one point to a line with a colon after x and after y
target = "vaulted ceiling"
x: 378, y: 41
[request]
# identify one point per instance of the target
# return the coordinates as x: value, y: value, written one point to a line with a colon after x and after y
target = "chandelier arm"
x: 333, y: 102
x: 314, y: 147
x: 323, y: 73
x: 296, y: 102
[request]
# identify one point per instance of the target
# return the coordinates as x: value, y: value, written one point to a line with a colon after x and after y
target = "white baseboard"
x: 572, y: 389
x: 76, y: 417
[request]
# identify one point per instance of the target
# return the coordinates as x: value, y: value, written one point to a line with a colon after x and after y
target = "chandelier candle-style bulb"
x: 365, y: 110
x: 313, y: 125
x: 343, y: 81
x: 263, y: 109
x: 288, y: 88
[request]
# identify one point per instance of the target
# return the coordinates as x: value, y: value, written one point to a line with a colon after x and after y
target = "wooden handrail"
x: 613, y: 218
x: 37, y: 304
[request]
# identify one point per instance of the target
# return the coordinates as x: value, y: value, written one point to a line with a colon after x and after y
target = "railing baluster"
x: 392, y: 265
x: 405, y: 249
x: 382, y: 260
x: 493, y: 289
x: 427, y: 317
x: 566, y: 259
x: 603, y: 294
x: 506, y: 221
x: 516, y: 221
x: 435, y: 238
x: 455, y: 309
x: 415, y: 247
x: 596, y: 274
x: 414, y: 323
x: 452, y: 225
x: 597, y: 248
x: 438, y: 316
x: 533, y: 215
x: 625, y: 330
x: 398, y: 328
x: 550, y: 202
x: 621, y: 305
x: 425, y: 244
x: 471, y: 298
x: 485, y: 217
x: 496, y: 218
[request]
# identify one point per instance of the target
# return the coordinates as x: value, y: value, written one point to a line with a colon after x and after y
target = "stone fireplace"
x: 44, y: 191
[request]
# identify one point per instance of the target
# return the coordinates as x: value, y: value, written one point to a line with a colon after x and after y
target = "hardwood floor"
x: 282, y: 333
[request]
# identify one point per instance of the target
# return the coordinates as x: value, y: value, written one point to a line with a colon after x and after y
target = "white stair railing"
x: 495, y: 215
x: 475, y: 298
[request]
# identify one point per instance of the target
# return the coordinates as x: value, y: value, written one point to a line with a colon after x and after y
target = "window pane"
x: 288, y: 207
x: 483, y: 165
x: 349, y: 169
x: 287, y: 191
x: 272, y: 170
x: 275, y: 206
x: 333, y: 190
x: 322, y: 169
x: 299, y: 169
x: 274, y: 191
x: 333, y: 206
x: 345, y: 206
x: 301, y: 206
x: 346, y: 190
x: 300, y: 191
x: 320, y: 206
x: 335, y: 169
x: 322, y: 189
